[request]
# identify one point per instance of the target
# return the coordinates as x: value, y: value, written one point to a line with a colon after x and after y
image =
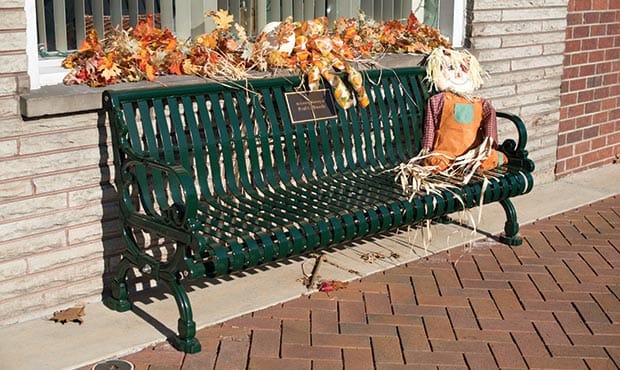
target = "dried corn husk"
x: 414, y: 177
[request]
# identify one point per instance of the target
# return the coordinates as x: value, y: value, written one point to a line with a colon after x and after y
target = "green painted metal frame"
x: 221, y: 171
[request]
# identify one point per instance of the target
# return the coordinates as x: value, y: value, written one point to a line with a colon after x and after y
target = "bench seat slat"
x: 366, y: 218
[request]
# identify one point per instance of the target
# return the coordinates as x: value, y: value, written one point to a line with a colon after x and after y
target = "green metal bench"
x: 222, y: 172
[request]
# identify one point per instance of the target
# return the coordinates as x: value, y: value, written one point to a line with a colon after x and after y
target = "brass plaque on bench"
x: 305, y: 106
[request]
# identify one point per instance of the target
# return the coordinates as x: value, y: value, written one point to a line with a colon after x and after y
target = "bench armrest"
x: 517, y: 155
x: 167, y: 192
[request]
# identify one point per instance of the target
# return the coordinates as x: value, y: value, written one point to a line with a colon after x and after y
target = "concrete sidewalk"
x: 41, y: 344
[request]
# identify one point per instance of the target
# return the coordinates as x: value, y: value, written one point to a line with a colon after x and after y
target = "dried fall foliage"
x: 311, y: 47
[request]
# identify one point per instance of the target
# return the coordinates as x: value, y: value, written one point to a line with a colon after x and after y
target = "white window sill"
x: 58, y: 99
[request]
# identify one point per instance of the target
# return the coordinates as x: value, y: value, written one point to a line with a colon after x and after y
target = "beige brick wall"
x: 521, y: 44
x: 58, y: 218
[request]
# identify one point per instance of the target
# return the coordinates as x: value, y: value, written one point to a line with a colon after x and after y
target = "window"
x: 55, y: 27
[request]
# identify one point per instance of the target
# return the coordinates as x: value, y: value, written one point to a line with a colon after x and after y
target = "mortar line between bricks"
x: 588, y: 263
x: 526, y: 240
x: 450, y: 321
x: 542, y: 339
x: 514, y: 341
x: 555, y: 317
x: 456, y: 272
x: 583, y: 319
x: 415, y: 296
x: 247, y: 359
x: 554, y: 280
x: 580, y: 254
x: 492, y: 355
x: 609, y: 319
x: 477, y: 267
x: 536, y: 286
x: 389, y: 296
x: 517, y: 294
x: 594, y: 226
x: 310, y: 326
x: 501, y: 268
x: 436, y: 283
x: 473, y: 311
x: 576, y: 229
x: 402, y: 347
x: 605, y: 218
x: 495, y: 304
x: 365, y: 308
x: 466, y: 362
x: 281, y: 338
x: 611, y: 358
x: 217, y: 353
x: 372, y: 351
x: 430, y: 342
x: 612, y: 293
x: 247, y: 353
x: 549, y: 244
x: 571, y: 270
x: 603, y: 257
x: 565, y: 236
x: 183, y: 361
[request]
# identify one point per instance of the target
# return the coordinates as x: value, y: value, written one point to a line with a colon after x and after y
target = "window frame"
x: 49, y: 71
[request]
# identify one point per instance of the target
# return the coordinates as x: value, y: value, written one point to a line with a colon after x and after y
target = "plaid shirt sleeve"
x: 489, y: 121
x: 434, y: 105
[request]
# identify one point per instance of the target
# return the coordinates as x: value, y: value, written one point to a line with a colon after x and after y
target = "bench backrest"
x: 239, y: 134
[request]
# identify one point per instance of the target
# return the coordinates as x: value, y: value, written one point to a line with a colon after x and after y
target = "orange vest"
x: 458, y: 132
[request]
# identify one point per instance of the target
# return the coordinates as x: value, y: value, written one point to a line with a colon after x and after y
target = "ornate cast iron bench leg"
x: 186, y: 340
x: 511, y: 227
x: 118, y: 300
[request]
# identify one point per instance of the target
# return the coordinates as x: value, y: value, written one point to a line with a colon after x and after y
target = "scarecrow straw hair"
x: 441, y: 59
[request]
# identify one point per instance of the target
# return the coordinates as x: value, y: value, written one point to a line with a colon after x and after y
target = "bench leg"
x: 118, y: 299
x: 186, y: 340
x: 511, y: 227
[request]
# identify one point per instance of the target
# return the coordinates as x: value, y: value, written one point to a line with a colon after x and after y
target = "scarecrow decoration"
x: 456, y: 121
x: 460, y: 129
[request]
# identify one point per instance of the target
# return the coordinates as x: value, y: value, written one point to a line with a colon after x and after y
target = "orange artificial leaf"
x: 108, y: 68
x: 207, y: 40
x: 174, y: 62
x: 91, y: 42
x: 150, y: 72
x: 172, y: 45
x: 222, y: 19
x: 349, y: 33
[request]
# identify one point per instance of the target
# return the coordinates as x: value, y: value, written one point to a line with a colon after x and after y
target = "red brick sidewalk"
x: 552, y: 303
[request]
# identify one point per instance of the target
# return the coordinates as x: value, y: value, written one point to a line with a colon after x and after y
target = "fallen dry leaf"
x: 371, y: 257
x: 73, y: 314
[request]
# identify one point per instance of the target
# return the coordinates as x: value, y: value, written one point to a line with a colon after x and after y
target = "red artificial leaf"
x: 327, y: 286
x: 412, y: 23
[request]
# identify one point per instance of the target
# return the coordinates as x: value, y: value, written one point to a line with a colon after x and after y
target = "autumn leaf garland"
x: 145, y: 52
